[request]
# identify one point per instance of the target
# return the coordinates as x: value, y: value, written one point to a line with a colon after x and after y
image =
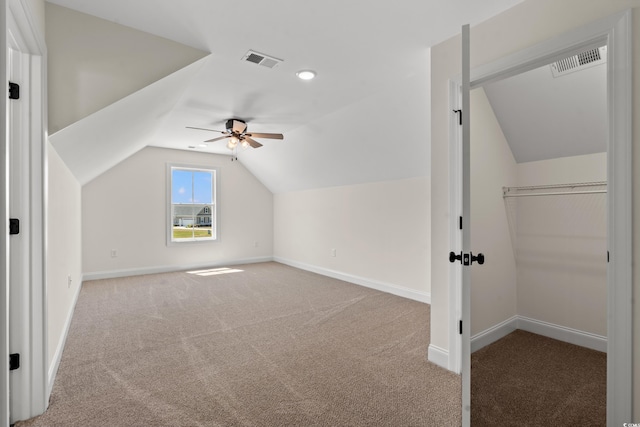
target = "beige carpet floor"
x: 526, y: 379
x: 268, y: 345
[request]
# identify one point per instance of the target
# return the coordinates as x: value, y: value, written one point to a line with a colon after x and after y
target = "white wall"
x: 125, y: 209
x: 562, y: 246
x: 493, y: 290
x: 37, y: 11
x: 560, y: 241
x: 64, y: 251
x: 380, y: 232
x: 524, y: 25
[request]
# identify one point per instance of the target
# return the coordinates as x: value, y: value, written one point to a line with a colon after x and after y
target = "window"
x: 192, y: 210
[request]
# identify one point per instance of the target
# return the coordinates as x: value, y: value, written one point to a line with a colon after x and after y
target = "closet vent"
x: 579, y: 62
x: 261, y: 59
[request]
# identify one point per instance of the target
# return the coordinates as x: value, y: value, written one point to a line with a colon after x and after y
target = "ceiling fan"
x: 237, y: 134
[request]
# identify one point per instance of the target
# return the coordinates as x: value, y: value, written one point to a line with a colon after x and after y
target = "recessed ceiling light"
x: 202, y: 145
x: 306, y: 74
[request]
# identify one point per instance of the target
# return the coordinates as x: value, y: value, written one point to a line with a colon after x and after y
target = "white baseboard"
x: 171, y: 268
x: 439, y: 356
x: 57, y: 356
x: 494, y: 333
x: 560, y: 333
x: 380, y: 286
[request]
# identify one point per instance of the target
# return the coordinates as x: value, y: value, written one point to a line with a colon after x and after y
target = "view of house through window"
x: 193, y: 199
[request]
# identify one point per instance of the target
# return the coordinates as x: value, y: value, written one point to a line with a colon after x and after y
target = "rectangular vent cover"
x: 579, y: 62
x: 261, y: 59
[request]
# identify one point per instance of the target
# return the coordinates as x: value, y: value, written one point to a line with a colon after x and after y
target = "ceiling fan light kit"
x: 236, y: 132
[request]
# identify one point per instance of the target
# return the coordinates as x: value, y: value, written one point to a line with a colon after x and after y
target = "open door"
x: 466, y: 228
x: 466, y: 257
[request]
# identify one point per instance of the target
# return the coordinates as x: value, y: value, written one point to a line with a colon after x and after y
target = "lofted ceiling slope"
x: 364, y: 118
x: 545, y: 117
x: 93, y: 63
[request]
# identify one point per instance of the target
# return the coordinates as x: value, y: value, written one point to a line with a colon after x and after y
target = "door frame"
x: 615, y: 31
x: 21, y: 34
x: 4, y: 238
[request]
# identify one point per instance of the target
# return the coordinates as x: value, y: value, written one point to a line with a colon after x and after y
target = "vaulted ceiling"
x: 364, y: 118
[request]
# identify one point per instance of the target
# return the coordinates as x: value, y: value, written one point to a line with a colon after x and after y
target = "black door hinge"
x: 14, y: 226
x: 459, y: 113
x: 607, y: 256
x: 460, y: 327
x: 14, y: 361
x: 460, y: 226
x: 14, y: 90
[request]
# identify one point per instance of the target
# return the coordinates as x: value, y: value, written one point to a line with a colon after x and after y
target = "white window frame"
x: 215, y: 213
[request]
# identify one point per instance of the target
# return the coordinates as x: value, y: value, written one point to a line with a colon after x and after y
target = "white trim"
x: 620, y: 221
x: 29, y: 386
x: 438, y: 356
x: 216, y: 191
x: 563, y: 333
x: 494, y: 333
x: 57, y: 357
x: 112, y: 274
x: 550, y: 330
x: 4, y: 238
x: 401, y: 291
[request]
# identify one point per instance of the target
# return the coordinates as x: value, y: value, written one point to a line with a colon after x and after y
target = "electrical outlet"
x: 114, y: 253
x: 69, y: 281
x: 333, y: 252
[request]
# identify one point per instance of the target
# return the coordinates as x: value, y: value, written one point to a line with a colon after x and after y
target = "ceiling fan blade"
x: 218, y: 138
x: 252, y: 142
x: 210, y: 130
x: 266, y: 135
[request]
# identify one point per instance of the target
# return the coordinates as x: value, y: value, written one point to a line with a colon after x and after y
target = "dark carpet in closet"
x: 526, y: 379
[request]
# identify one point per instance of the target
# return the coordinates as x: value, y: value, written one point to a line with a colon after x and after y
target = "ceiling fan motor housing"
x: 232, y: 126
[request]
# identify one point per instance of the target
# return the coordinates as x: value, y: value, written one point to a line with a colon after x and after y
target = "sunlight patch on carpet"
x: 215, y: 271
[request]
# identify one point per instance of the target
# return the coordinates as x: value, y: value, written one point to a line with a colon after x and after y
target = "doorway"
x: 615, y: 33
x: 538, y: 212
x: 23, y: 267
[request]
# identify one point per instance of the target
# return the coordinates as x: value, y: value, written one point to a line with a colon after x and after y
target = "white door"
x: 466, y: 257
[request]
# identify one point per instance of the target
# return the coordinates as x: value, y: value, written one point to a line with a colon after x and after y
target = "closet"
x: 539, y: 215
x: 538, y: 203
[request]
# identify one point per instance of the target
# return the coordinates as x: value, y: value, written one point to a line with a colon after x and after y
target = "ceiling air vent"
x: 579, y: 62
x: 261, y: 59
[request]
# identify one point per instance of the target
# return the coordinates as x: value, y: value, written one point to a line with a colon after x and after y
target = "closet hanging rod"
x: 544, y: 187
x: 555, y: 194
x: 511, y: 191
